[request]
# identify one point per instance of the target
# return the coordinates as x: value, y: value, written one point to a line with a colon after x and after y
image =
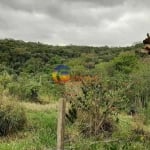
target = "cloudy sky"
x: 78, y: 22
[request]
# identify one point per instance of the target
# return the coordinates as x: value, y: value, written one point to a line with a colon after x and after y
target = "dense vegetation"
x: 108, y: 96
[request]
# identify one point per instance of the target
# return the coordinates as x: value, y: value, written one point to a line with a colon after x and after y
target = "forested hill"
x: 109, y: 89
x: 17, y: 56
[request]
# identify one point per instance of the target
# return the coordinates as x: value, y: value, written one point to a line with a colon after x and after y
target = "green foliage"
x: 19, y: 56
x: 113, y: 85
x: 147, y: 114
x: 44, y: 124
x: 95, y: 107
x: 139, y: 89
x: 33, y: 65
x: 12, y: 118
x: 25, y: 89
x: 39, y: 134
x: 5, y: 78
x: 125, y: 63
x: 48, y: 131
x: 126, y: 145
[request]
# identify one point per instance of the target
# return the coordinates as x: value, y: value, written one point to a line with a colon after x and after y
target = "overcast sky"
x: 78, y: 22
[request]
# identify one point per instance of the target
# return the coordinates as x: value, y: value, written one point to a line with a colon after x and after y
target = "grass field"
x: 40, y: 133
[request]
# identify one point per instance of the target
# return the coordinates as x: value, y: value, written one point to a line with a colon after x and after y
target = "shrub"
x: 5, y: 78
x: 93, y: 110
x: 125, y: 63
x: 30, y: 92
x: 12, y: 118
x: 25, y: 90
x: 139, y: 91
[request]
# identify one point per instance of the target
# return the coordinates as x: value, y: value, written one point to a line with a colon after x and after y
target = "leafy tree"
x: 125, y: 63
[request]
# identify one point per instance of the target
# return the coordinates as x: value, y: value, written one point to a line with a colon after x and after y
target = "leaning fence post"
x: 61, y: 124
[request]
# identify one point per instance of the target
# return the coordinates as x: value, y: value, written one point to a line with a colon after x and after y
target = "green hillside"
x: 108, y: 97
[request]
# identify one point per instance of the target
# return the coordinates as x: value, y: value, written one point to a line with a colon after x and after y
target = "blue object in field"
x: 62, y: 67
x: 61, y: 74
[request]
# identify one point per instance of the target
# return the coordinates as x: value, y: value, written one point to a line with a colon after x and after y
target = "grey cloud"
x: 100, y: 2
x: 70, y: 11
x: 81, y: 22
x: 61, y: 10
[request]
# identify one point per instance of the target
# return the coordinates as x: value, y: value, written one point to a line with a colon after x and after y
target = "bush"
x: 125, y: 63
x: 94, y: 109
x: 5, y: 78
x: 30, y: 92
x: 25, y: 89
x: 12, y: 118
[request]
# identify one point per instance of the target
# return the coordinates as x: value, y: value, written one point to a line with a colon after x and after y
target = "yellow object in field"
x: 61, y: 74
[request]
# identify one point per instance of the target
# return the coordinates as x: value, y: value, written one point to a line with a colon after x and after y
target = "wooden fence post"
x: 61, y: 124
